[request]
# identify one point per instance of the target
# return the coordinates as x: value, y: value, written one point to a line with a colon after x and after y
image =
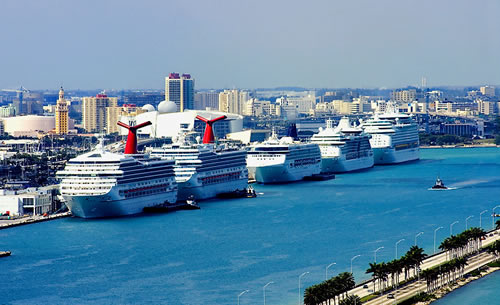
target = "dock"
x: 8, y: 223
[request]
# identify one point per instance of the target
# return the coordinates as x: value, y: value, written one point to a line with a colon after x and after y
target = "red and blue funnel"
x: 209, y: 137
x: 131, y: 146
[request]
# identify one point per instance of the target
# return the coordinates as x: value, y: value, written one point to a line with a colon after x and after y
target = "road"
x: 406, y: 291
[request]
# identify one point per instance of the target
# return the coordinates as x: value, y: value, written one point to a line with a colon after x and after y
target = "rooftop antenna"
x: 209, y: 137
x: 131, y: 146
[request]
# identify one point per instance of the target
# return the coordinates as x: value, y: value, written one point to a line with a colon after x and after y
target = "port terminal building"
x: 168, y: 123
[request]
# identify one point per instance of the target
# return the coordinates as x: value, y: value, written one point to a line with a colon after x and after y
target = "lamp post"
x: 418, y: 236
x: 375, y: 254
x: 466, y: 220
x: 326, y: 270
x: 264, y: 290
x: 397, y: 243
x: 300, y: 277
x: 242, y: 293
x: 353, y: 258
x: 493, y: 217
x: 435, y: 238
x: 481, y: 216
x: 451, y: 227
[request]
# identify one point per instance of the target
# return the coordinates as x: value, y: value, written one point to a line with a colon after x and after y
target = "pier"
x: 8, y: 223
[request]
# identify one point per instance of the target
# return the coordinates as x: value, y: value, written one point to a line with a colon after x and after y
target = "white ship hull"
x: 201, y: 192
x: 281, y: 173
x: 112, y: 204
x: 338, y: 165
x: 387, y: 155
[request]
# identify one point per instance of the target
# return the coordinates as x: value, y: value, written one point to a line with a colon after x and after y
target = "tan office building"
x: 97, y: 115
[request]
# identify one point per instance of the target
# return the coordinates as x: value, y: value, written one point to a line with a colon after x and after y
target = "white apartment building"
x: 233, y: 101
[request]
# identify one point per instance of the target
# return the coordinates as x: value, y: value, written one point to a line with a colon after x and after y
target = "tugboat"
x: 251, y: 192
x: 439, y: 185
x: 191, y: 204
x: 4, y: 253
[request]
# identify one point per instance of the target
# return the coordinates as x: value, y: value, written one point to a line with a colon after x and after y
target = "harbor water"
x: 209, y: 256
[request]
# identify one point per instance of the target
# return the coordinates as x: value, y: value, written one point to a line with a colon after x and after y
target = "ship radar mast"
x: 131, y: 146
x: 209, y: 137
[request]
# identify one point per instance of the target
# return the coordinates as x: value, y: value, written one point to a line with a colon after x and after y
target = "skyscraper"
x: 95, y: 113
x: 180, y: 90
x: 61, y: 114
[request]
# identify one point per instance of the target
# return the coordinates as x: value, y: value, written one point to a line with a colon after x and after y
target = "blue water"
x: 210, y: 255
x: 480, y: 292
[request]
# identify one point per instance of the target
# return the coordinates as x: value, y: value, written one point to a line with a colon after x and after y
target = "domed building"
x: 167, y: 107
x: 148, y: 108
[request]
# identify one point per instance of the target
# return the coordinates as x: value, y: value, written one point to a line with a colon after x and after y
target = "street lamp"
x: 435, y: 238
x: 242, y: 293
x: 397, y: 243
x: 264, y: 289
x: 493, y: 217
x: 451, y: 227
x: 480, y: 217
x: 466, y: 220
x: 353, y: 258
x: 326, y: 270
x: 418, y: 236
x: 300, y: 276
x: 375, y: 254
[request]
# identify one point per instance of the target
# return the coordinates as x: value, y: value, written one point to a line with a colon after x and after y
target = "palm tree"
x: 497, y: 224
x: 373, y: 270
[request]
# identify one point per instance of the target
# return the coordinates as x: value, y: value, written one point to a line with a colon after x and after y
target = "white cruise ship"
x: 205, y: 170
x: 105, y: 184
x: 344, y: 148
x: 283, y: 160
x: 394, y: 137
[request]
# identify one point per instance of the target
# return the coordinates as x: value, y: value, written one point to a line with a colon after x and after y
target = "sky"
x: 127, y: 44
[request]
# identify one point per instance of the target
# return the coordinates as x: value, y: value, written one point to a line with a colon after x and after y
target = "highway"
x: 415, y: 287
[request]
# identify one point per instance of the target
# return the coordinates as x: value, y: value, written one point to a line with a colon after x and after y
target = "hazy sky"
x: 259, y: 43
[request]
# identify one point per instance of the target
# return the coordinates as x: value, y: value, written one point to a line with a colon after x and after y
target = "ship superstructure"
x: 205, y: 170
x: 343, y: 148
x: 105, y: 184
x: 394, y: 137
x: 283, y: 160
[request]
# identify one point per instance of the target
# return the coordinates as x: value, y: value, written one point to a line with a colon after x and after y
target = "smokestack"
x: 209, y: 137
x: 131, y: 146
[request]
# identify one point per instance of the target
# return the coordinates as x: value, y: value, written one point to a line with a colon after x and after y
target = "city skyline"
x: 124, y: 44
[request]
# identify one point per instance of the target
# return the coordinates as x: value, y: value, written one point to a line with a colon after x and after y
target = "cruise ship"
x: 344, y: 148
x: 283, y: 160
x: 105, y: 184
x: 394, y: 137
x: 205, y: 170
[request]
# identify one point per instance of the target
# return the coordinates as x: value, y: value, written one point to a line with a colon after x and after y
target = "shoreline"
x: 443, y: 291
x: 459, y: 146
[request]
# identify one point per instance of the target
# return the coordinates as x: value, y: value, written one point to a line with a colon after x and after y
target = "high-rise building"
x: 95, y: 115
x: 487, y: 91
x: 204, y: 100
x: 180, y: 90
x: 61, y: 114
x: 233, y: 101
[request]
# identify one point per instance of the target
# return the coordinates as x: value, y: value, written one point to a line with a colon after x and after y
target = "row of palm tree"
x: 444, y: 274
x: 460, y: 245
x: 494, y: 248
x: 410, y: 261
x: 335, y: 288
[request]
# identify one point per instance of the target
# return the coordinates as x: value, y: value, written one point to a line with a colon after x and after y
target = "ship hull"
x: 110, y: 205
x: 202, y: 192
x: 389, y: 155
x: 337, y: 165
x: 280, y: 173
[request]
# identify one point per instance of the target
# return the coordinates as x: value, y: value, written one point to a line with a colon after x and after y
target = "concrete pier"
x: 8, y: 223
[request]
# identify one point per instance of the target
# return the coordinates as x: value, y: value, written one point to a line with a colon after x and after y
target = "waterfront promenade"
x: 413, y: 288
